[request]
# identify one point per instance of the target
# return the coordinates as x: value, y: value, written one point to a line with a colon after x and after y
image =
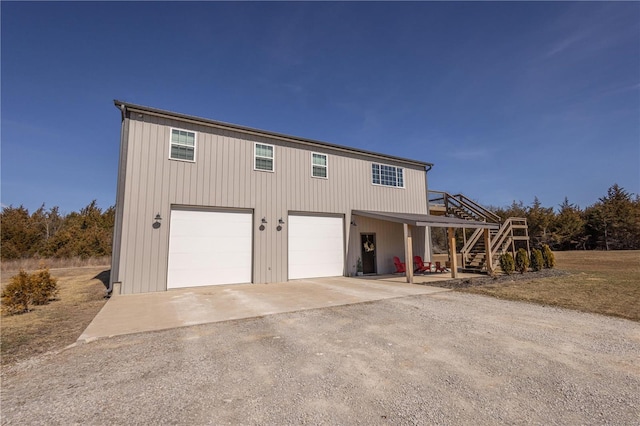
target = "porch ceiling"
x: 425, y: 220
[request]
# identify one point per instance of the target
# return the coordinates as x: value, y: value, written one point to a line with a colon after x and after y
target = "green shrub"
x: 507, y: 264
x: 549, y: 258
x: 28, y: 289
x: 537, y: 261
x: 522, y: 261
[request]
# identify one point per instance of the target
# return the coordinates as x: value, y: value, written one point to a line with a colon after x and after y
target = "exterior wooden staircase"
x: 512, y: 234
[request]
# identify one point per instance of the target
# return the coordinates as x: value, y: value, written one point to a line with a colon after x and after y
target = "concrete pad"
x: 126, y: 314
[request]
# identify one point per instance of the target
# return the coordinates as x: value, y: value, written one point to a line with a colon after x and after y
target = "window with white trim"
x: 182, y: 145
x: 263, y: 157
x: 384, y: 175
x: 319, y: 165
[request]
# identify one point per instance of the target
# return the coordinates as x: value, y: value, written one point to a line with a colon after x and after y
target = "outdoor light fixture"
x: 157, y: 219
x: 353, y: 223
x: 280, y: 221
x: 264, y: 220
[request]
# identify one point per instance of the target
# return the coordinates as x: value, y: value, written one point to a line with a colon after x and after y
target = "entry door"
x: 368, y: 249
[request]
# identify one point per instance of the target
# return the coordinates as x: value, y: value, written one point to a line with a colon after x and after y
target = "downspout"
x: 426, y: 183
x: 123, y: 111
x: 427, y: 232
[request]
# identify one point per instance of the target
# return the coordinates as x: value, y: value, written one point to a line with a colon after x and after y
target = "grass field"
x: 58, y: 324
x: 600, y: 282
x: 13, y: 266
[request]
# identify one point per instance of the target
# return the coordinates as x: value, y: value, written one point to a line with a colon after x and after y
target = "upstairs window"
x: 183, y: 145
x: 384, y: 175
x: 319, y: 165
x: 263, y: 157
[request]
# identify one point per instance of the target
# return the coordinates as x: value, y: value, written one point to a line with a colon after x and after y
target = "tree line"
x: 46, y: 233
x: 612, y: 223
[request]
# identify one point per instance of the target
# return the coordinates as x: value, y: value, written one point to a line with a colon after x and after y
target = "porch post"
x: 487, y: 251
x: 428, y: 247
x: 408, y: 252
x: 452, y: 253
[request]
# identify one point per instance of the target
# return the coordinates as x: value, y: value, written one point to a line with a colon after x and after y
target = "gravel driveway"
x: 448, y: 358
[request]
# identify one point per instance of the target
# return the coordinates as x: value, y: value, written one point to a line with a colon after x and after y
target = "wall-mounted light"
x: 280, y: 221
x: 264, y: 220
x: 157, y: 220
x: 353, y: 223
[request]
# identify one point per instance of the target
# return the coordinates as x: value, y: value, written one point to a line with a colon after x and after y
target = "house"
x: 201, y: 202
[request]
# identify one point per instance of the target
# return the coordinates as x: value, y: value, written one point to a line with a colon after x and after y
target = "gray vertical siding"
x: 223, y: 176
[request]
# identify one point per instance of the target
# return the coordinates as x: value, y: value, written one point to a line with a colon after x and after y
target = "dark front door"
x: 368, y: 250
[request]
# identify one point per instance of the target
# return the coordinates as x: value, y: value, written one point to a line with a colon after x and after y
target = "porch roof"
x: 425, y: 220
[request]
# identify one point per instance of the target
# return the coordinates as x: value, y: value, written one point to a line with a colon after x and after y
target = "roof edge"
x: 249, y: 130
x: 418, y: 219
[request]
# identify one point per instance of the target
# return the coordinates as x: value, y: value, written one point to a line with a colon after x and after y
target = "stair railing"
x: 471, y: 242
x: 505, y: 236
x: 482, y: 211
x: 463, y: 204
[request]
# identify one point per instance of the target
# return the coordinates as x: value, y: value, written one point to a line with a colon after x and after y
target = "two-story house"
x: 201, y: 202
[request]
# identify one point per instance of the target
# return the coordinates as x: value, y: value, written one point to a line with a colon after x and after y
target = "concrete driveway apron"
x: 125, y: 314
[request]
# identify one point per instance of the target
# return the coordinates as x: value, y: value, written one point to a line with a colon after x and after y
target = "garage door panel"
x: 186, y: 277
x: 316, y: 246
x: 209, y: 248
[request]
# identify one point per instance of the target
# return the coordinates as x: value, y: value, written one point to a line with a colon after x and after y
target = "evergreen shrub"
x: 44, y: 286
x: 522, y: 261
x: 537, y: 261
x: 507, y: 263
x: 26, y: 289
x: 549, y: 258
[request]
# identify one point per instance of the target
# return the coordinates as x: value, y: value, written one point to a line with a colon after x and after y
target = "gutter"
x: 257, y: 132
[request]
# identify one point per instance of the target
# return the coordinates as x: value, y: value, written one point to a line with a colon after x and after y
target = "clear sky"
x: 509, y: 100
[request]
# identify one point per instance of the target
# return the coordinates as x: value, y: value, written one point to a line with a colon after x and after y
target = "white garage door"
x: 207, y: 248
x: 316, y: 247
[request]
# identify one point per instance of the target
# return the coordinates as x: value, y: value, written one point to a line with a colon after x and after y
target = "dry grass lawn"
x: 600, y: 282
x: 58, y: 324
x: 13, y: 266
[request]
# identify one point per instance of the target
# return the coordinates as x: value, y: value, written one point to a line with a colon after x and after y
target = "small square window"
x: 263, y: 157
x: 182, y: 145
x: 319, y: 165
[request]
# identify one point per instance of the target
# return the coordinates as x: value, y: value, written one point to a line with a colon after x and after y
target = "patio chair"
x: 401, y: 268
x: 440, y: 268
x: 420, y: 266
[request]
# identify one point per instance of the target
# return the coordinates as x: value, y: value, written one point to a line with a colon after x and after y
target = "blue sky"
x: 509, y: 100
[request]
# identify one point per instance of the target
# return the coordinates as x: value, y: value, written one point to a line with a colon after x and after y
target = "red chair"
x: 440, y: 268
x: 420, y: 266
x: 401, y: 268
